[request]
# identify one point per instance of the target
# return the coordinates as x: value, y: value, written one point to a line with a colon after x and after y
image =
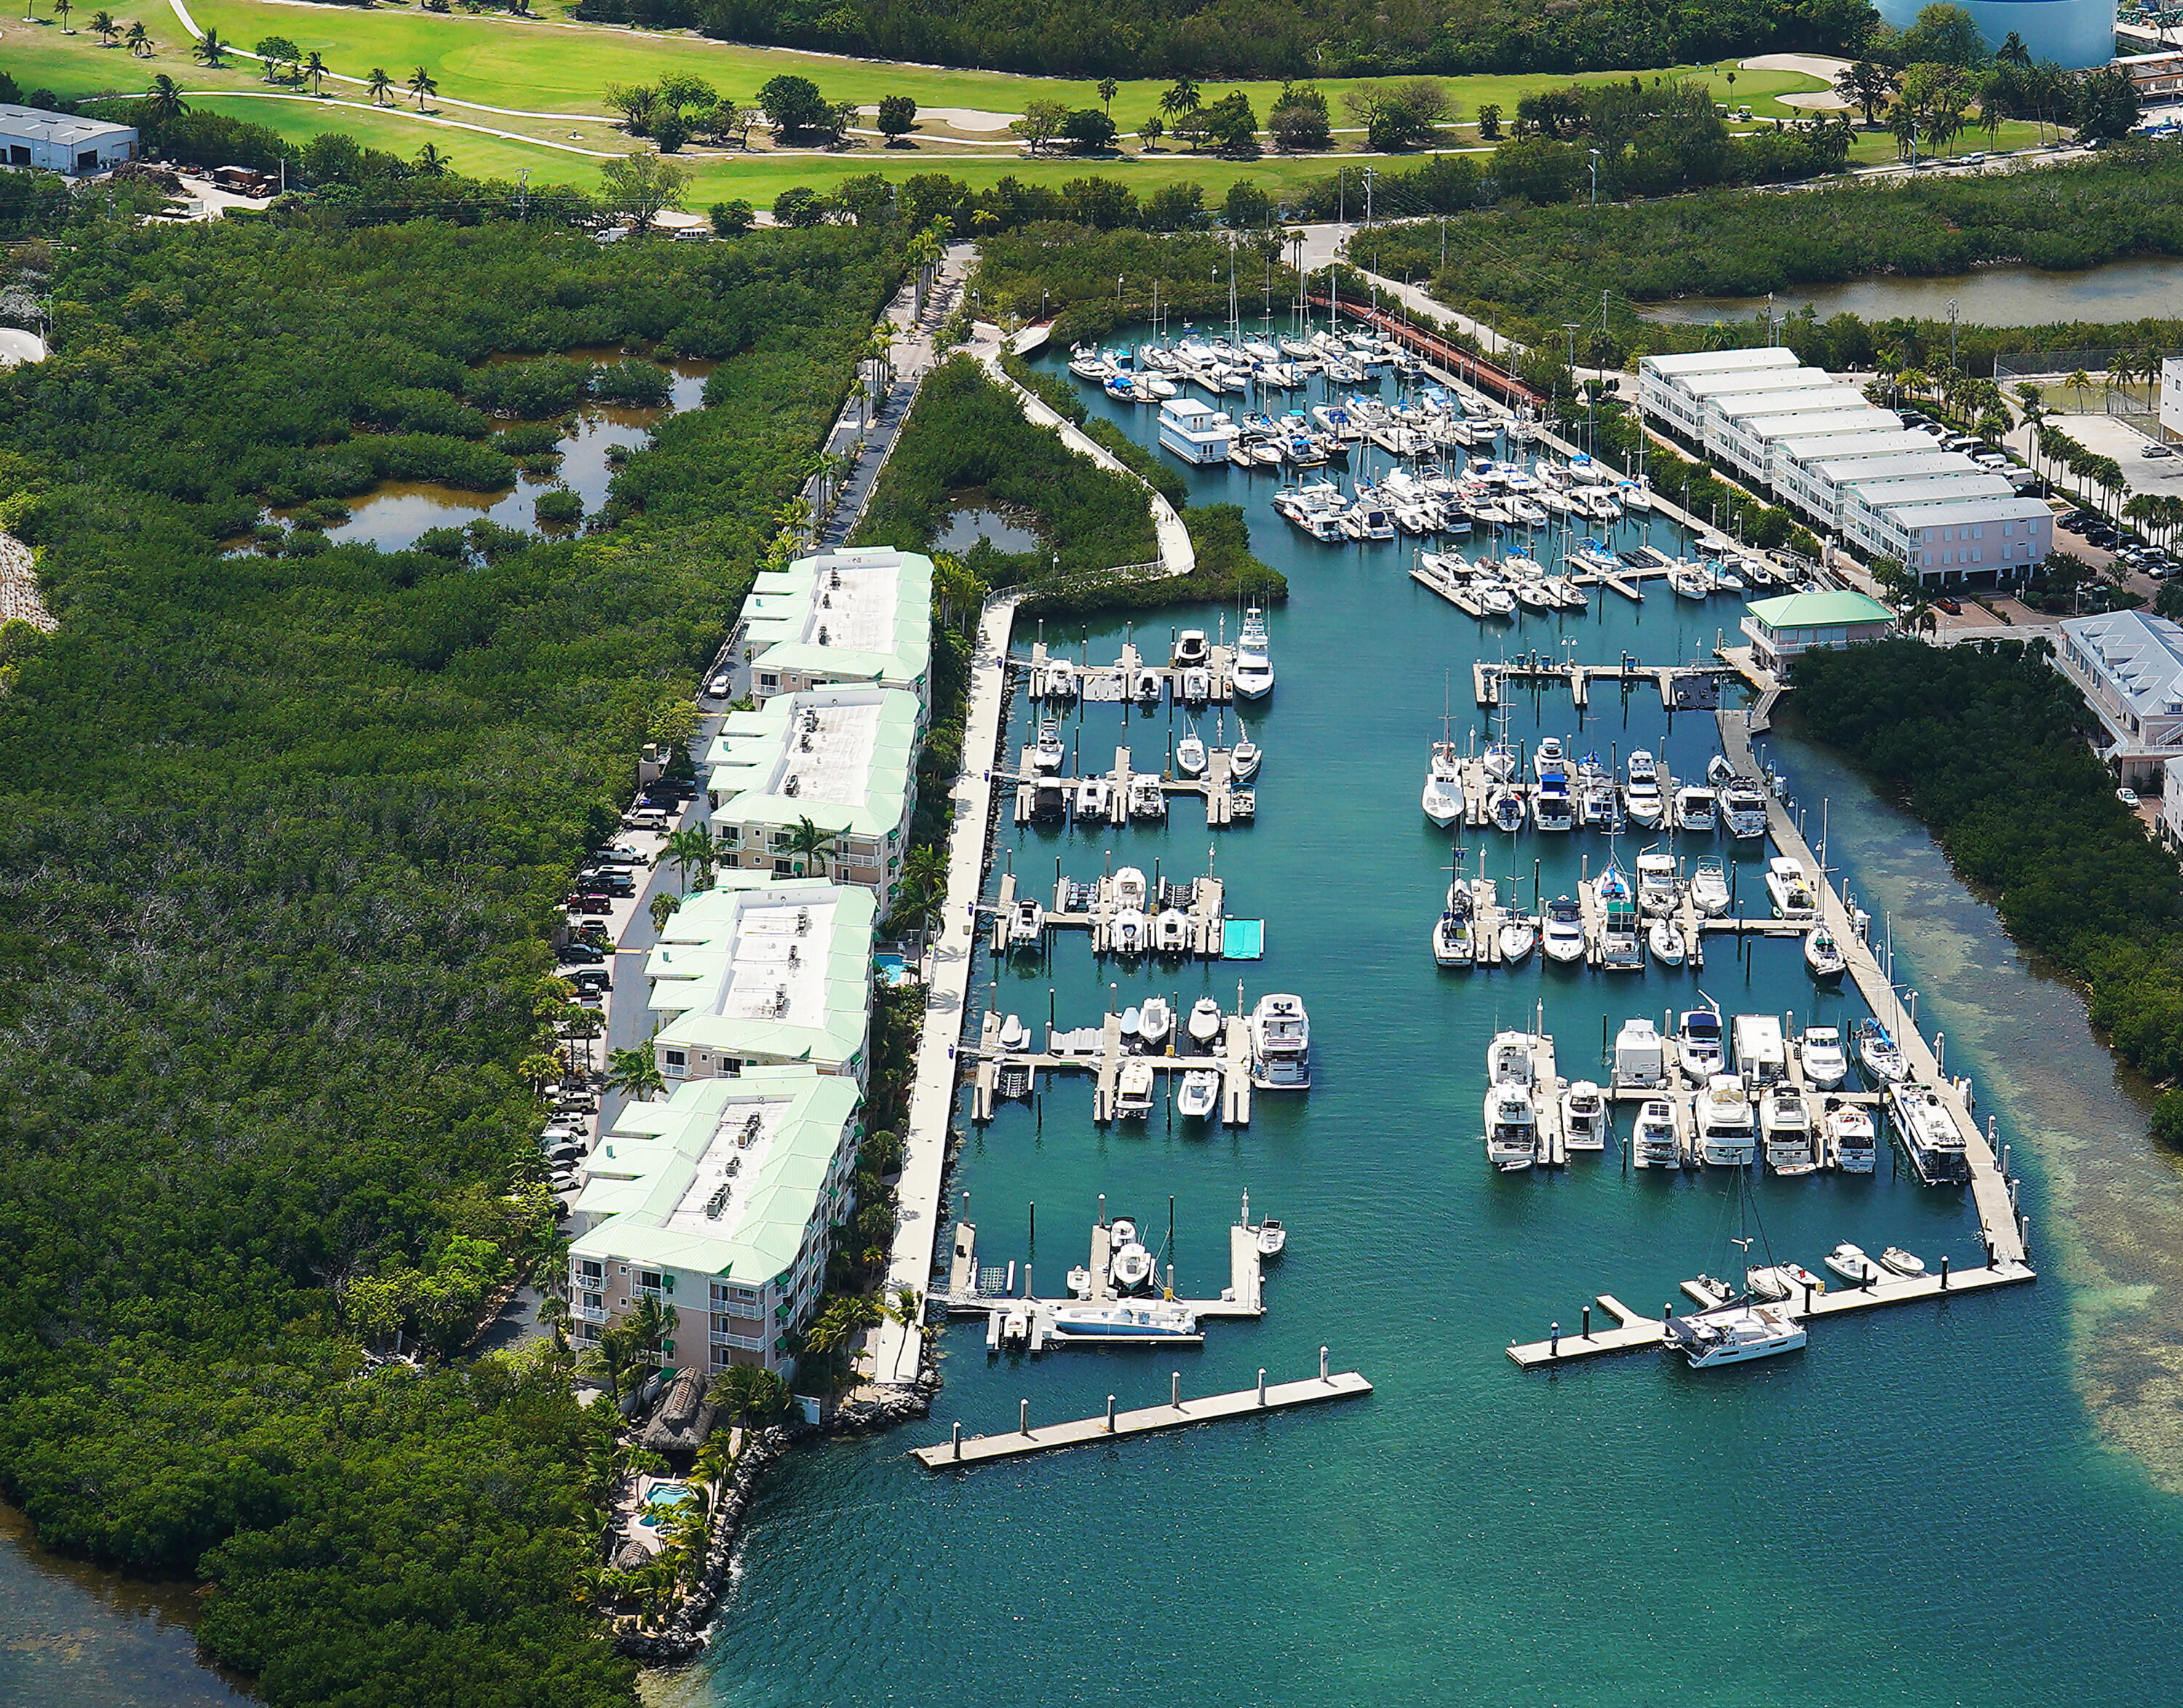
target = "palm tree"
x: 1181, y: 96
x: 422, y: 86
x: 314, y: 68
x: 688, y: 849
x: 431, y: 162
x: 2081, y: 382
x: 841, y: 1318
x: 138, y: 39
x: 811, y: 848
x: 103, y: 26
x: 635, y: 1071
x: 207, y: 48
x: 164, y: 97
x: 61, y: 10
x: 747, y: 1394
x: 379, y: 85
x: 1108, y: 89
x: 538, y: 1069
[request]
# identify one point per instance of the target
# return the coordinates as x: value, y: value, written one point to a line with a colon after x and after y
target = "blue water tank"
x: 2072, y: 33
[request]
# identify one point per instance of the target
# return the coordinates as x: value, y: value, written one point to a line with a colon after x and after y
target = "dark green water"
x: 1917, y: 1509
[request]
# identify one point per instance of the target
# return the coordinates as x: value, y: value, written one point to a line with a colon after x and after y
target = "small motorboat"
x: 1719, y: 771
x: 1789, y: 886
x: 1133, y: 1091
x: 1709, y: 887
x: 1820, y: 1050
x: 1518, y: 937
x: 1585, y: 1119
x: 1060, y: 680
x: 1666, y: 938
x: 1272, y: 1238
x: 1822, y: 956
x: 1849, y: 1262
x: 1130, y: 932
x: 1026, y: 924
x: 1562, y: 936
x: 1659, y: 890
x: 1093, y: 797
x: 1171, y: 933
x: 1198, y: 1095
x: 1205, y: 1023
x: 1149, y: 687
x: 1783, y: 1280
x: 1155, y: 1023
x: 1190, y: 755
x: 1124, y: 1322
x: 1049, y: 753
x: 1191, y: 650
x: 1851, y: 1136
x: 1013, y: 1033
x: 1904, y: 1263
x: 1243, y: 759
x: 1196, y: 686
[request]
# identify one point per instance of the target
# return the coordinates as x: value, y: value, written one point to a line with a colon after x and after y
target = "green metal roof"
x: 784, y: 614
x: 1819, y: 610
x: 756, y: 752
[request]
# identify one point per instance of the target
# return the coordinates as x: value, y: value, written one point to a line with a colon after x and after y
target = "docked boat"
x: 1443, y: 792
x: 1734, y: 1334
x: 1198, y: 1095
x: 1147, y: 800
x: 1121, y: 1323
x: 1191, y: 650
x: 1150, y: 685
x: 1500, y: 759
x: 1049, y: 753
x: 1784, y: 1128
x: 1788, y: 888
x: 1743, y: 809
x: 1026, y: 924
x: 1243, y: 759
x: 1252, y: 674
x: 1598, y: 802
x: 1658, y: 889
x: 1131, y: 890
x: 1155, y: 1023
x: 1822, y: 956
x: 1641, y: 1057
x: 1621, y: 946
x: 1907, y: 1264
x: 1060, y: 683
x: 1013, y: 1035
x: 1552, y: 808
x: 1548, y: 756
x: 1518, y: 937
x: 1172, y: 933
x: 1666, y: 937
x: 1849, y: 1262
x: 1454, y: 934
x: 1927, y: 1128
x: 1585, y: 1121
x: 1196, y: 686
x: 1281, y: 1044
x: 1094, y: 797
x: 1726, y: 1138
x: 1709, y: 891
x: 1882, y: 1060
x: 1690, y: 582
x: 1512, y: 1127
x: 1851, y: 1136
x: 1508, y: 1059
x: 1697, y: 808
x: 1206, y: 1021
x: 1700, y: 1049
x: 1507, y: 806
x: 1820, y: 1050
x: 1788, y: 1283
x: 1562, y: 934
x: 1719, y: 772
x: 1190, y: 755
x: 1642, y: 799
x: 1652, y: 1142
x: 1130, y: 931
x: 1133, y: 1091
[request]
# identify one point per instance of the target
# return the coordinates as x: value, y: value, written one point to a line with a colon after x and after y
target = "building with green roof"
x: 719, y: 1202
x: 761, y: 971
x: 844, y: 758
x: 846, y: 617
x: 1795, y: 623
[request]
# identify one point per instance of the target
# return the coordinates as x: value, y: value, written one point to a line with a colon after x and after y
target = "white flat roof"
x: 1719, y: 361
x: 1815, y: 400
x: 1811, y: 423
x: 1967, y: 509
x: 1892, y: 466
x: 1753, y: 380
x: 1880, y: 441
x: 1883, y: 493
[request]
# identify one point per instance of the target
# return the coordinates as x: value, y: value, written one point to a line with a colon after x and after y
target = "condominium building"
x: 760, y: 970
x: 846, y: 617
x: 718, y: 1202
x: 2129, y: 666
x: 1781, y: 628
x: 843, y: 758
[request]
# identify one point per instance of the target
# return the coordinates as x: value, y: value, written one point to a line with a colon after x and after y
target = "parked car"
x: 583, y: 955
x: 2128, y: 798
x: 2152, y: 450
x: 720, y: 687
x: 1950, y: 606
x: 595, y: 979
x: 642, y: 817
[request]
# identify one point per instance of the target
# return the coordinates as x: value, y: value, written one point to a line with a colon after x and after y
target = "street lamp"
x: 1594, y: 152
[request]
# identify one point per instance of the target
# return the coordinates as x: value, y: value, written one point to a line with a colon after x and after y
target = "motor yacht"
x: 1882, y: 1060
x: 1061, y: 680
x: 1443, y: 792
x: 1642, y: 798
x: 1784, y: 1126
x: 1823, y: 955
x: 1133, y: 1091
x: 1243, y: 759
x: 1598, y: 803
x: 1709, y: 891
x: 1726, y: 1138
x: 1130, y: 889
x: 1548, y: 756
x: 1094, y: 797
x: 1190, y: 755
x: 1253, y: 672
x: 1586, y: 1119
x: 1206, y: 1024
x: 1508, y: 1059
x: 1047, y: 755
x: 1849, y: 1262
x: 1743, y: 809
x: 1652, y: 1142
x: 1155, y: 1024
x: 1198, y: 1095
x: 1701, y: 1049
x: 1026, y: 924
x: 1788, y: 888
x: 1171, y: 932
x: 1129, y: 932
x: 1850, y: 1136
x: 1697, y: 809
x: 1819, y: 1049
x: 1512, y: 1127
x: 1927, y: 1129
x: 1659, y: 888
x: 1641, y: 1058
x: 1552, y: 808
x: 1281, y: 1044
x: 1561, y: 935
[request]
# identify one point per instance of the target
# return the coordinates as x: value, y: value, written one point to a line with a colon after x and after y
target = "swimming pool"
x: 660, y: 1501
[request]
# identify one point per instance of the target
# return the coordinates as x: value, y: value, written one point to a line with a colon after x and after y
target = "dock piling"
x: 955, y: 1437
x: 1322, y: 1363
x: 1944, y: 1273
x: 1587, y: 1322
x: 1174, y: 1389
x: 1262, y: 1390
x: 1554, y: 1339
x: 1110, y: 1413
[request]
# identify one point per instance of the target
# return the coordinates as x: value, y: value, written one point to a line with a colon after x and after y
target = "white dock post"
x: 1110, y: 1413
x: 1553, y: 1340
x: 1322, y: 1363
x: 955, y: 1437
x: 1944, y: 1272
x: 1174, y: 1389
x: 1023, y: 1416
x: 1588, y: 1320
x: 1261, y: 1385
x: 1940, y: 1051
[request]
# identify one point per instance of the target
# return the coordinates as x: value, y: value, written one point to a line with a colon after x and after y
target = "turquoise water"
x: 1916, y: 1509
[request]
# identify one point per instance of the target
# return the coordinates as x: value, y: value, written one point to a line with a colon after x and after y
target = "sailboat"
x: 1443, y: 794
x: 1741, y: 1327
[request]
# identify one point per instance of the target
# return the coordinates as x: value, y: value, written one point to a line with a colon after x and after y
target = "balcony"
x: 588, y: 1313
x: 749, y: 1343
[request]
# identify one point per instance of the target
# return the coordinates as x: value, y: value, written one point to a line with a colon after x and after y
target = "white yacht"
x: 1906, y: 1264
x: 1548, y: 756
x: 1883, y: 1061
x: 1455, y: 933
x: 1851, y: 1138
x: 1929, y: 1132
x: 1155, y: 1023
x: 1598, y: 803
x: 1206, y: 1023
x: 1124, y: 1322
x: 1196, y: 432
x: 1093, y: 796
x: 1552, y: 808
x: 1735, y: 1334
x: 1171, y: 932
x: 1190, y: 755
x: 1823, y: 955
x: 1130, y: 931
x: 1743, y: 809
x: 1709, y: 891
x: 1701, y: 1050
x: 1659, y: 888
x: 1199, y: 1094
x: 1652, y: 1142
x: 1512, y: 1127
x: 1133, y: 1091
x: 1443, y: 795
x: 1785, y: 1127
x: 1696, y: 808
x: 1243, y: 759
x: 1849, y: 1262
x: 1253, y: 672
x: 1049, y: 753
x: 1726, y: 1138
x: 1642, y: 799
x: 1508, y: 1059
x: 1820, y: 1050
x: 1130, y: 887
x: 1666, y: 938
x: 1562, y: 933
x: 1190, y: 650
x: 1060, y: 683
x: 1789, y: 886
x: 1641, y: 1058
x: 1281, y: 1044
x: 1690, y: 582
x: 1586, y: 1120
x: 1026, y: 924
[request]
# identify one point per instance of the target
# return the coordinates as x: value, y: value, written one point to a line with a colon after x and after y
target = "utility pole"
x: 1368, y: 175
x: 523, y: 194
x: 1952, y: 331
x: 1595, y: 176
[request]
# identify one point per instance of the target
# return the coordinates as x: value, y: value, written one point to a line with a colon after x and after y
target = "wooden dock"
x: 1178, y: 1413
x: 2002, y: 1226
x: 970, y: 1294
x: 1077, y: 1052
x: 1681, y: 687
x: 1634, y: 1332
x: 1118, y: 680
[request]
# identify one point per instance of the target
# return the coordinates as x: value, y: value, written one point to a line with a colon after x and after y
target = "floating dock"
x: 1178, y: 1413
x: 1132, y: 794
x: 1099, y: 1051
x: 993, y: 1292
x: 1111, y: 683
x: 1682, y: 688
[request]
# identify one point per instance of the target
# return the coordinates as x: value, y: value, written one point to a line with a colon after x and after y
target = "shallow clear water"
x: 965, y: 528
x: 1991, y: 297
x: 1914, y: 1510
